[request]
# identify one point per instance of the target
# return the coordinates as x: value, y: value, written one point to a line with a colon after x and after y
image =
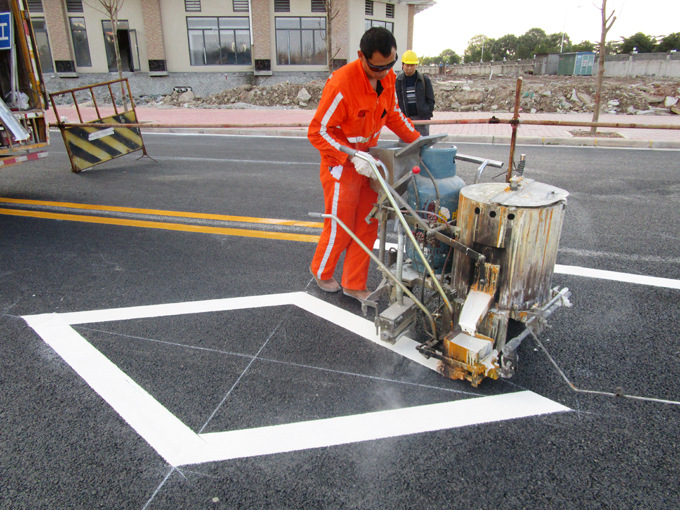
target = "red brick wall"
x: 341, y: 33
x: 58, y: 30
x: 261, y: 29
x: 409, y: 32
x: 153, y: 28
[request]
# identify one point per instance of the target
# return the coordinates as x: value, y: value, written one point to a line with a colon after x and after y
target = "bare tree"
x: 332, y: 11
x: 111, y: 8
x: 607, y: 22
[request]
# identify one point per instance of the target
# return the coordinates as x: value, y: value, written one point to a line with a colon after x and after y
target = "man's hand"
x: 362, y: 166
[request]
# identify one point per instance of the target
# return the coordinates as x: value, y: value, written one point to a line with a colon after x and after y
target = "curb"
x: 487, y: 139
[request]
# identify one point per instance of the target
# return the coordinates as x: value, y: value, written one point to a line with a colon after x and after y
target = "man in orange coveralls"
x: 357, y: 101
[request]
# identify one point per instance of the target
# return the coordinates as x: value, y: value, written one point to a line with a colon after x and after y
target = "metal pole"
x: 493, y: 120
x: 514, y: 123
x: 382, y: 267
x: 410, y: 235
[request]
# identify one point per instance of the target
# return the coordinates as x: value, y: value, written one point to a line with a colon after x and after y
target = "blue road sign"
x: 5, y: 30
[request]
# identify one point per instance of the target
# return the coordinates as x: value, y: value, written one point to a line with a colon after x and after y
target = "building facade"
x: 162, y: 38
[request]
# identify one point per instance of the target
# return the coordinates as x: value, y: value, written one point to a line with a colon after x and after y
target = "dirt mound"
x: 539, y: 94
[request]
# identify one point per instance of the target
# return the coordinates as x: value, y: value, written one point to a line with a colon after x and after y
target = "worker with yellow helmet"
x: 414, y: 92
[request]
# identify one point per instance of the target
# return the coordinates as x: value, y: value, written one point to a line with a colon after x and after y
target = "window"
x: 35, y: 6
x: 219, y: 41
x: 74, y: 5
x: 370, y: 23
x: 81, y: 48
x: 318, y: 6
x: 368, y: 8
x: 240, y: 5
x: 192, y: 5
x: 281, y: 5
x: 389, y: 11
x: 43, y: 44
x: 301, y: 41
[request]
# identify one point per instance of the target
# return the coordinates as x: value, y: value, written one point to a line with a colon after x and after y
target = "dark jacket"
x: 424, y: 95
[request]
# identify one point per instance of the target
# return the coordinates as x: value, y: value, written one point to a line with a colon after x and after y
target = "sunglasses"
x: 377, y: 69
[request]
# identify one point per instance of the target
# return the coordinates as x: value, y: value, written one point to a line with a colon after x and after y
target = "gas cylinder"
x: 433, y: 193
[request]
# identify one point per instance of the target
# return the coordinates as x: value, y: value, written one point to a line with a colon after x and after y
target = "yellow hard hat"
x: 409, y: 57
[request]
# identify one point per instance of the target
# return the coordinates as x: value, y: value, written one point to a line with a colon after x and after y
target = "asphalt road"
x: 250, y: 388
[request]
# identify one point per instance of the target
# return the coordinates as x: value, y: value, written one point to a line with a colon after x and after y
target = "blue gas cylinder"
x: 422, y: 196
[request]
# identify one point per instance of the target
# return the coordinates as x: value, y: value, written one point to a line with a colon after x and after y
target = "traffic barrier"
x: 103, y: 138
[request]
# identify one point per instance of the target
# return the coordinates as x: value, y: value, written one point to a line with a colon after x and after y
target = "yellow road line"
x: 159, y: 212
x: 164, y: 226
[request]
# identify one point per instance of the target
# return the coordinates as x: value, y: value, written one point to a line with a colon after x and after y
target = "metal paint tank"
x: 517, y: 229
x: 422, y: 196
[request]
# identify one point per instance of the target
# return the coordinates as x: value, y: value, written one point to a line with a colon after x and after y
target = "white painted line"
x: 372, y: 426
x: 618, y: 277
x: 362, y: 327
x: 159, y: 427
x: 171, y: 309
x: 179, y: 445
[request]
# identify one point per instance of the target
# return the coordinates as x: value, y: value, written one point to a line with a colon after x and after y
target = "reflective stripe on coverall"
x: 351, y: 114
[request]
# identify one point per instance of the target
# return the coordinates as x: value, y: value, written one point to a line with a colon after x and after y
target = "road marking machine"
x: 469, y: 260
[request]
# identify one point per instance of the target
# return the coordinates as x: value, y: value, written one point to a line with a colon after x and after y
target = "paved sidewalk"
x: 276, y: 121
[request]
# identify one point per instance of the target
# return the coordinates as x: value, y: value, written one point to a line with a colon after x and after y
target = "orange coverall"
x: 351, y: 115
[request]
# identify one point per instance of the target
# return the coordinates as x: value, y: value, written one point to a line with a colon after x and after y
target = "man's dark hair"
x: 377, y: 39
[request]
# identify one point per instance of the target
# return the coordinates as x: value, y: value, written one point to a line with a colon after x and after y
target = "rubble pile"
x: 540, y: 94
x: 279, y: 95
x: 560, y: 94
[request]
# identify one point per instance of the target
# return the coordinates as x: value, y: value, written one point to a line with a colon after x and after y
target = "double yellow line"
x: 181, y: 227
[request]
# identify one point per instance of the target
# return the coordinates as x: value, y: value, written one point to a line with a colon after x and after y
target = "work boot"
x: 359, y: 295
x: 329, y: 285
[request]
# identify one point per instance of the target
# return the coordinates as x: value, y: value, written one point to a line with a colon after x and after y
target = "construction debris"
x: 540, y: 94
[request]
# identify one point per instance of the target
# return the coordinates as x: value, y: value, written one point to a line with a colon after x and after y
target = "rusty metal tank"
x: 516, y: 226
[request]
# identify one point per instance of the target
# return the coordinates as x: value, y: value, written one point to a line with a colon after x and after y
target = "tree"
x: 613, y: 48
x: 639, y: 42
x: 332, y: 10
x: 475, y: 51
x: 552, y: 44
x: 449, y: 57
x: 111, y: 8
x: 607, y: 22
x: 670, y: 42
x: 528, y: 42
x: 504, y: 48
x: 583, y: 46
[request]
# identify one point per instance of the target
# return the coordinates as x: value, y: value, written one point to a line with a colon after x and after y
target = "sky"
x: 450, y: 24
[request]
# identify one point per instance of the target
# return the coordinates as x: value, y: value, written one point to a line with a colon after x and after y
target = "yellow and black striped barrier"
x: 91, y: 142
x: 91, y: 145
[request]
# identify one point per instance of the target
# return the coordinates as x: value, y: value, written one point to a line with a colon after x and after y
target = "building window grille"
x: 389, y: 11
x: 192, y: 5
x: 35, y: 6
x: 240, y: 5
x: 318, y: 6
x: 74, y: 5
x: 368, y: 8
x: 370, y: 23
x: 300, y: 41
x: 219, y: 41
x: 81, y: 47
x: 281, y: 5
